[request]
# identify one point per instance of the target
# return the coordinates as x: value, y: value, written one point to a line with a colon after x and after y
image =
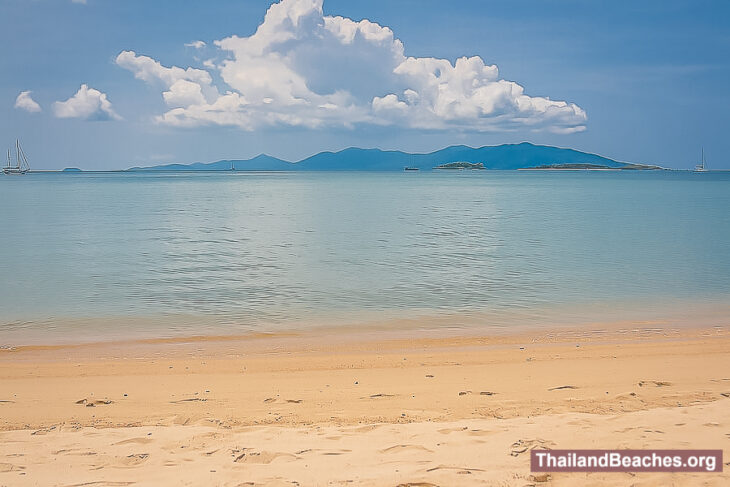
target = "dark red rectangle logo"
x: 626, y: 461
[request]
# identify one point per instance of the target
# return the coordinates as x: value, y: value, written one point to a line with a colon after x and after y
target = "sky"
x: 111, y: 84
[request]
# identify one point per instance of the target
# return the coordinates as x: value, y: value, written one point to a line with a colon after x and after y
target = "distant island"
x: 596, y: 167
x: 71, y: 169
x: 461, y: 165
x: 502, y: 157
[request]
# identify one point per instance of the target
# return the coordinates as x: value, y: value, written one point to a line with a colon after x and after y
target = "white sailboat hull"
x: 13, y: 170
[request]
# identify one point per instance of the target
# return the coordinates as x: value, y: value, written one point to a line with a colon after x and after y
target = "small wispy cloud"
x: 25, y: 102
x: 196, y: 44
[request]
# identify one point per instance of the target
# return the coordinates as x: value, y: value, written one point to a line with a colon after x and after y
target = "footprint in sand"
x: 364, y: 429
x: 521, y: 446
x: 401, y: 448
x: 459, y: 470
x: 9, y: 467
x: 417, y: 484
x: 133, y: 460
x: 262, y: 457
x: 136, y: 441
x: 479, y: 433
x: 295, y: 401
x: 464, y: 393
x: 560, y: 388
x: 192, y: 399
x: 81, y: 452
x: 656, y: 383
x: 487, y: 393
x: 90, y: 403
x: 101, y: 483
x: 324, y: 452
x: 446, y: 431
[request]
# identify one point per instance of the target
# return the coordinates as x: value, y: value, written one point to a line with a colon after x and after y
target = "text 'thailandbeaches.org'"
x: 626, y: 461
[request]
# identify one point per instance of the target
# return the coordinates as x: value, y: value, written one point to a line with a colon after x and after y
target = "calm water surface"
x: 159, y: 254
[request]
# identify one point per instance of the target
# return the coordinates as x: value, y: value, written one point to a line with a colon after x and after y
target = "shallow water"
x: 89, y: 256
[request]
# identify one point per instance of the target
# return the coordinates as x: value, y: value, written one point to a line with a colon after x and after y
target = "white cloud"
x: 147, y: 69
x: 87, y: 104
x: 302, y: 68
x: 184, y: 93
x: 25, y: 102
x: 196, y: 44
x: 184, y: 86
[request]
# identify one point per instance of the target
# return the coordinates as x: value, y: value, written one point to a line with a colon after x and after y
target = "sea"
x: 129, y: 255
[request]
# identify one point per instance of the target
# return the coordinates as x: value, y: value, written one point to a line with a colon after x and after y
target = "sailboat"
x: 701, y: 166
x: 21, y: 162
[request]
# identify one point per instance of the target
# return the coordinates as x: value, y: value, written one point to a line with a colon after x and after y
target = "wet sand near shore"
x: 360, y: 408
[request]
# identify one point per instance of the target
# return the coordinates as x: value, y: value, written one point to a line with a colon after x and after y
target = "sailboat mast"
x: 23, y: 162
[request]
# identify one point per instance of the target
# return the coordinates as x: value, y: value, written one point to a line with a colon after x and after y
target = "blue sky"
x: 115, y: 84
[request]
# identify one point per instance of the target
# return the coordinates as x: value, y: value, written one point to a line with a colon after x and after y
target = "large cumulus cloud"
x: 302, y: 68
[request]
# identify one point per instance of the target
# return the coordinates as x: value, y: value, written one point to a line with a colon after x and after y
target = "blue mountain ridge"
x: 506, y: 156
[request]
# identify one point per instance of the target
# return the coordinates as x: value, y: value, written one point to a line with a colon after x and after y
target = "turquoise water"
x: 159, y: 254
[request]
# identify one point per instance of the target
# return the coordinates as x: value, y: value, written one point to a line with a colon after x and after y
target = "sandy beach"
x: 319, y: 243
x: 360, y: 408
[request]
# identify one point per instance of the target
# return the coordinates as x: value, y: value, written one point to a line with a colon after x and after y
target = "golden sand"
x: 360, y: 408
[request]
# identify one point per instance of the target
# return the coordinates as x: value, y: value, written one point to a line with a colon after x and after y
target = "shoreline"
x: 610, y: 316
x: 396, y: 333
x: 215, y: 375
